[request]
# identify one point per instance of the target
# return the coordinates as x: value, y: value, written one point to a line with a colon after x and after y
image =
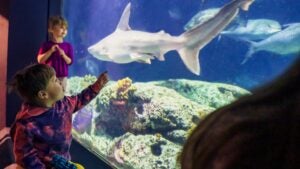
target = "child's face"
x: 54, y: 90
x: 59, y: 31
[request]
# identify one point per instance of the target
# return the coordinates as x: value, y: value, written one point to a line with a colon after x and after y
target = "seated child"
x: 42, y: 128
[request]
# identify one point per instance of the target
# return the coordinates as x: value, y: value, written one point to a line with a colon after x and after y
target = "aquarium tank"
x: 170, y: 63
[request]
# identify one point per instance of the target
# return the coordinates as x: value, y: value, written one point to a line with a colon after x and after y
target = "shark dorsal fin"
x: 124, y: 20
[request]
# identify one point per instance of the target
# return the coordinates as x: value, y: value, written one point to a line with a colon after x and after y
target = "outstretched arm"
x: 78, y: 101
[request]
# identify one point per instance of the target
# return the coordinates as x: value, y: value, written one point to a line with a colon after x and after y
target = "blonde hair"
x: 57, y: 20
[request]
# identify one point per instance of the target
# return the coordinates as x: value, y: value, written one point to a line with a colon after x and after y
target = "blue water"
x: 90, y: 21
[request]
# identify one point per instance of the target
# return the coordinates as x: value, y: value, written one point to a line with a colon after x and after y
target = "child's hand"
x: 53, y: 48
x: 61, y: 52
x: 103, y: 78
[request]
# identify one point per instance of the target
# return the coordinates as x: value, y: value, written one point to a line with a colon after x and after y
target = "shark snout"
x: 91, y: 50
x: 94, y: 51
x: 98, y: 53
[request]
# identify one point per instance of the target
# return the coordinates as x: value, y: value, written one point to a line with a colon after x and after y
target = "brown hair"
x: 258, y: 131
x: 30, y: 80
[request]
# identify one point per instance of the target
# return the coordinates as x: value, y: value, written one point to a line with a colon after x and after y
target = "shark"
x: 126, y: 45
x: 201, y: 17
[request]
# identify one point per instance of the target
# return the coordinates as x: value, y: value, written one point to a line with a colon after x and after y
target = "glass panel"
x: 159, y: 89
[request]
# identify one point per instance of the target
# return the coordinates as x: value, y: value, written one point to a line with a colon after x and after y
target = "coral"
x: 143, y: 125
x: 124, y: 87
x: 76, y: 84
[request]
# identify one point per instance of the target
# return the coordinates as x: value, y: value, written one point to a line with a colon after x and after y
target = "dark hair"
x: 258, y: 131
x: 30, y: 80
x: 57, y: 20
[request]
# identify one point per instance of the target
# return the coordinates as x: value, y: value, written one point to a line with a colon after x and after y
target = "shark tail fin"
x: 252, y: 49
x: 190, y: 58
x: 245, y: 6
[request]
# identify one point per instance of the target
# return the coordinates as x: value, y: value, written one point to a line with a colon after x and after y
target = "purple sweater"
x: 39, y: 133
x: 55, y: 60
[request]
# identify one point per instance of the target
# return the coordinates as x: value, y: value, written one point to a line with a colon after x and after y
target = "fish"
x: 205, y: 15
x: 91, y: 66
x: 253, y: 30
x: 125, y: 45
x: 175, y: 13
x: 283, y: 43
x: 82, y: 120
x: 201, y: 17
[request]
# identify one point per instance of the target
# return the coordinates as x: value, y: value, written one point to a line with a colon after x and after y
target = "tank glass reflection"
x: 171, y: 63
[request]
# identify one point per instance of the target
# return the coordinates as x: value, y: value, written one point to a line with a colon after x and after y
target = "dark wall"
x: 4, y: 7
x: 27, y: 30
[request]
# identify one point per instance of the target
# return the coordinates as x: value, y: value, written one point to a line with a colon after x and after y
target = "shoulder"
x: 65, y: 102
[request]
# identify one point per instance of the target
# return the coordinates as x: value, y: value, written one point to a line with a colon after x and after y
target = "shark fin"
x: 219, y: 37
x: 161, y: 32
x: 160, y: 56
x: 124, y: 20
x: 190, y: 58
x: 252, y: 49
x: 141, y: 56
x: 147, y: 61
x: 135, y: 56
x: 245, y: 6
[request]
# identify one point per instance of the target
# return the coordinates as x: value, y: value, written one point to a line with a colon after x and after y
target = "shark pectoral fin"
x: 123, y: 23
x: 160, y: 56
x: 147, y: 61
x: 136, y: 56
x: 142, y: 57
x: 191, y: 59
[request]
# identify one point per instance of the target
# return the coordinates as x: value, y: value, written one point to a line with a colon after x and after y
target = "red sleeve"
x: 79, y: 101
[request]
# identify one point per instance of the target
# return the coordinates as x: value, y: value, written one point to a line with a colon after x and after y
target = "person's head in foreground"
x: 258, y: 131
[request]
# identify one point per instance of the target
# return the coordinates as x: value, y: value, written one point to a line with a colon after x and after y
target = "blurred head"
x: 57, y: 26
x: 37, y: 84
x: 258, y: 131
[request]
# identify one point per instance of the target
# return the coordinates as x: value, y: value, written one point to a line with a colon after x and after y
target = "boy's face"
x: 59, y: 31
x: 54, y: 90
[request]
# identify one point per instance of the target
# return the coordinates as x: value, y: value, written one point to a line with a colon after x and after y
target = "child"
x: 42, y: 128
x: 56, y: 52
